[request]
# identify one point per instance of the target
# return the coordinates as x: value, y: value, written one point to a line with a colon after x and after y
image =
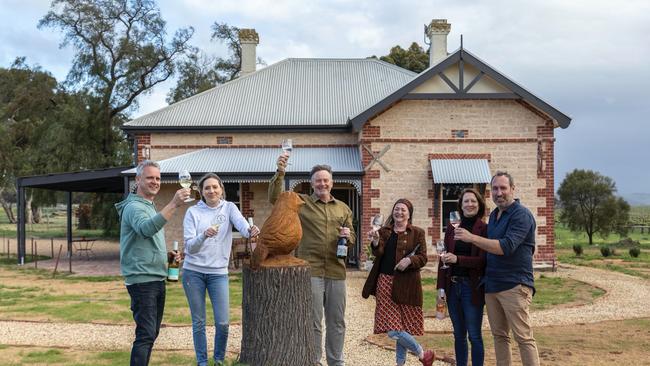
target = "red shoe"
x: 428, y: 358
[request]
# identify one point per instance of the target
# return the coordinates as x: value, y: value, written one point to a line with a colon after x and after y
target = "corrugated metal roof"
x: 293, y: 92
x: 460, y: 171
x: 261, y: 160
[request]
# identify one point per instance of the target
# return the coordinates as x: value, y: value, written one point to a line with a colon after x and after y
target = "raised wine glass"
x: 377, y: 222
x: 287, y: 147
x: 454, y: 219
x: 442, y: 249
x: 185, y: 180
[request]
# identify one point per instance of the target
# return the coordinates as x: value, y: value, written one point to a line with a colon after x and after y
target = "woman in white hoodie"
x: 207, y: 230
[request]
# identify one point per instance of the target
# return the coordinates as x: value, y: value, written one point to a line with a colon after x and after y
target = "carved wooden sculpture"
x: 276, y: 300
x: 280, y: 234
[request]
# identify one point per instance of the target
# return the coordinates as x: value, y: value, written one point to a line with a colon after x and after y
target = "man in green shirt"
x: 143, y: 256
x: 324, y: 219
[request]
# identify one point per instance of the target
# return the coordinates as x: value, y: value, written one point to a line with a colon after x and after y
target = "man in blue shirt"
x: 509, y: 283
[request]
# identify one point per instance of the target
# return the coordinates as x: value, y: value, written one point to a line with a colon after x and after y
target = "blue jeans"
x: 147, y: 305
x: 195, y: 285
x: 466, y: 318
x: 404, y: 342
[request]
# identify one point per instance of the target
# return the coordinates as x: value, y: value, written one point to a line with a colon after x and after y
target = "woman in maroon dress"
x: 400, y: 250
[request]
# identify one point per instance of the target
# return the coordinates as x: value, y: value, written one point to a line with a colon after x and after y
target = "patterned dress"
x: 388, y: 314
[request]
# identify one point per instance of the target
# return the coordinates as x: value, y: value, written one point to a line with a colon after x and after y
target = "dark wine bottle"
x: 342, y: 247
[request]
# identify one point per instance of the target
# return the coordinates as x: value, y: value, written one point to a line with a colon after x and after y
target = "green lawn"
x: 551, y: 291
x: 53, y: 225
x: 34, y: 295
x: 621, y: 261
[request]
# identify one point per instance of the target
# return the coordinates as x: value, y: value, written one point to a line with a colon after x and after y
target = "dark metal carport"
x: 109, y: 180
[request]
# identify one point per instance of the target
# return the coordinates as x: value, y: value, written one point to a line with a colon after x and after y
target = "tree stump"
x: 276, y: 314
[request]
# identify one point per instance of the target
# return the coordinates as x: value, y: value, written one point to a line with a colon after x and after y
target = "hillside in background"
x: 637, y: 199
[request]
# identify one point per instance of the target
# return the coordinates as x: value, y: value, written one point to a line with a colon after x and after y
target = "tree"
x: 415, y: 58
x: 121, y: 53
x: 36, y: 117
x: 27, y: 97
x: 200, y: 71
x: 589, y: 204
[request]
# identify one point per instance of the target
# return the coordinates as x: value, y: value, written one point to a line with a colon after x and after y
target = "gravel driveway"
x: 626, y: 298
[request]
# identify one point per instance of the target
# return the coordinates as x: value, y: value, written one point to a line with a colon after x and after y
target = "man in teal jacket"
x: 143, y: 256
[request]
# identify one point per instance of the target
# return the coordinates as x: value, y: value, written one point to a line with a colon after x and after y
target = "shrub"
x: 627, y: 242
x: 577, y: 249
x: 605, y: 251
x: 634, y: 252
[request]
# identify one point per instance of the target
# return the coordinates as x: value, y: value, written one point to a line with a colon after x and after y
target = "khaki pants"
x: 508, y: 310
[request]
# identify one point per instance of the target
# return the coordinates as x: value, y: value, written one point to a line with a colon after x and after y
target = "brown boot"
x: 428, y: 358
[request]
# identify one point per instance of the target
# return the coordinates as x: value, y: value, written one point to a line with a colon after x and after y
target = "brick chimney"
x: 249, y: 40
x: 437, y: 32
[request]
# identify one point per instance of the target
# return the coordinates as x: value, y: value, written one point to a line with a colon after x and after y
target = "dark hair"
x: 208, y: 176
x: 500, y: 173
x: 408, y: 205
x: 318, y: 168
x: 479, y: 198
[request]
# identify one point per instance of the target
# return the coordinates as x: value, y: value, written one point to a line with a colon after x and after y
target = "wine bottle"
x: 252, y: 241
x: 173, y: 266
x: 342, y: 247
x: 441, y: 305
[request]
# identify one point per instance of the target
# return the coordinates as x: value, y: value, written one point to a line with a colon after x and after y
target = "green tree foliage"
x: 27, y: 98
x: 589, y: 204
x: 415, y: 58
x: 200, y: 71
x: 44, y: 129
x: 121, y: 53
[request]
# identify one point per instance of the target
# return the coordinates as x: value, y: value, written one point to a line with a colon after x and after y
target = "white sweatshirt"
x: 211, y: 255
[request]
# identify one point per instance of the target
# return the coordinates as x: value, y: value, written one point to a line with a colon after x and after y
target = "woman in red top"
x: 460, y: 284
x: 394, y: 280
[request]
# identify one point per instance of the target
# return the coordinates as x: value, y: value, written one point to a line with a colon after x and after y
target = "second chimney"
x: 437, y: 32
x: 249, y: 40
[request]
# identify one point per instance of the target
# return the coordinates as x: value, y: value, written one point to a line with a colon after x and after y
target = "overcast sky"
x: 589, y: 59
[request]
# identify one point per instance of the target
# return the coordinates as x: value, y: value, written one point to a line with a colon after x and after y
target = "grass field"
x: 53, y: 225
x: 620, y: 261
x: 35, y: 296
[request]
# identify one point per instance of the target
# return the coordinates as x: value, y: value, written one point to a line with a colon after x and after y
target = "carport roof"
x: 109, y: 180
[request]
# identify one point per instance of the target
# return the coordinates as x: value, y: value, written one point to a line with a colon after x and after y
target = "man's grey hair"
x: 144, y: 164
x: 500, y: 173
x: 318, y: 168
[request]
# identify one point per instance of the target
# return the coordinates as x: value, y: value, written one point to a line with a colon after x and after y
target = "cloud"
x: 588, y: 58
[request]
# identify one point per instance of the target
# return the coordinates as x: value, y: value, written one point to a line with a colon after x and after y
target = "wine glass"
x: 454, y: 219
x: 287, y: 146
x: 185, y: 180
x: 441, y: 248
x: 217, y: 221
x: 377, y: 222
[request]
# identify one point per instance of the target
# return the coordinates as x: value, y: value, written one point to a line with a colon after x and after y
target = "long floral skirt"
x: 392, y: 316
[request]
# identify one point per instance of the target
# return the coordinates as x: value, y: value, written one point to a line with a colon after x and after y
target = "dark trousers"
x: 147, y: 305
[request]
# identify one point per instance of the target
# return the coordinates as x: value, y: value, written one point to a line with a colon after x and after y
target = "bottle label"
x: 172, y: 274
x: 342, y: 251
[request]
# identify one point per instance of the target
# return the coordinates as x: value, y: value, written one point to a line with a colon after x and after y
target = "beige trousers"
x: 508, y: 310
